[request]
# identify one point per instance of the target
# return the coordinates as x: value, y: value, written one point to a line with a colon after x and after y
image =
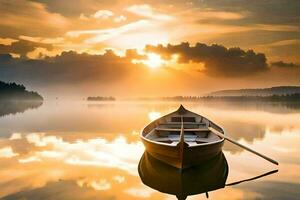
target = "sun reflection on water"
x: 153, y: 115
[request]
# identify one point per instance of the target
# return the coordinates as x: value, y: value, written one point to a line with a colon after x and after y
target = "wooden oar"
x: 244, y: 147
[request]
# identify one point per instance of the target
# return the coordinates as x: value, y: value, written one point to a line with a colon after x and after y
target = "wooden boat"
x: 182, y: 138
x: 209, y: 176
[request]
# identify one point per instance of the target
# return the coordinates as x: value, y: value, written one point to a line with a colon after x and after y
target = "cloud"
x: 284, y: 64
x: 101, y: 35
x: 22, y: 17
x: 219, y: 14
x: 265, y: 12
x: 22, y: 47
x: 7, y: 152
x: 211, y: 15
x: 275, y: 27
x: 146, y: 10
x: 218, y: 60
x: 43, y: 40
x: 103, y: 14
x: 29, y: 159
x: 83, y: 17
x: 71, y: 9
x: 120, y: 18
x: 7, y: 41
x: 284, y: 43
x: 16, y: 136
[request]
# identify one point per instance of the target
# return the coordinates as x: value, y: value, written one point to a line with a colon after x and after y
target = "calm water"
x: 81, y: 150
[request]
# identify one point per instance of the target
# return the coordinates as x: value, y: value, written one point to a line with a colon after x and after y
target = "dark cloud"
x: 284, y: 64
x: 133, y: 54
x: 22, y: 47
x: 219, y: 61
x: 69, y: 68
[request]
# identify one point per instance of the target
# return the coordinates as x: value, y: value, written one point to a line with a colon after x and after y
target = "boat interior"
x: 195, y: 130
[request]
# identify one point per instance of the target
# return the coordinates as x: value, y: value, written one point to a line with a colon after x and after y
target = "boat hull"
x: 183, y: 156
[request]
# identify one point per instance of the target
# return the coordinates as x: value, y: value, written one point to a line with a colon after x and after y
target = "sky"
x: 139, y: 48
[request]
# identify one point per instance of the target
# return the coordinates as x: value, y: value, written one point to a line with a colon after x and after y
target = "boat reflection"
x: 195, y: 180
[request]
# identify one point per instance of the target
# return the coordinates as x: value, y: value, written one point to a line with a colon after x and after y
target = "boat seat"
x: 185, y: 123
x: 185, y: 130
x: 190, y: 139
x: 187, y: 138
x: 165, y: 139
x: 167, y: 129
x: 197, y: 130
x: 206, y: 139
x: 185, y: 119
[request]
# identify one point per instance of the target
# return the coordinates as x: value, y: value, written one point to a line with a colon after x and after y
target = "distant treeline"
x: 275, y: 98
x: 13, y: 91
x: 280, y: 90
x: 288, y: 97
x: 98, y: 98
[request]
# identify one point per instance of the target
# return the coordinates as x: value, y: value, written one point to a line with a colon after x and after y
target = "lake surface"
x: 87, y: 150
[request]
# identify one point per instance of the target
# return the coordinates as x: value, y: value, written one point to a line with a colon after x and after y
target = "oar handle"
x: 244, y: 147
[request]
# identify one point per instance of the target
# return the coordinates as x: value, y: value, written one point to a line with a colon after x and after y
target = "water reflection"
x: 37, y: 165
x: 13, y: 107
x: 153, y: 115
x: 203, y: 178
x: 70, y: 150
x: 126, y: 117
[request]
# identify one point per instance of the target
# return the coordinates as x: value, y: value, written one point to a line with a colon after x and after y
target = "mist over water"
x: 90, y: 150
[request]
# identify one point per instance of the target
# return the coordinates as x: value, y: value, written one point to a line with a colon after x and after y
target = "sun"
x: 154, y: 60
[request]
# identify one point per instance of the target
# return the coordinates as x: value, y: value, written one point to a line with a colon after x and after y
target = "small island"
x: 99, y: 98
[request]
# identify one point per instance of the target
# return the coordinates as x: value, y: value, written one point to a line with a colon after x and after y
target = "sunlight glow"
x: 154, y: 60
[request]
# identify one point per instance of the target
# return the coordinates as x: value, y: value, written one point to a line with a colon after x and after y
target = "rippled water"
x: 82, y: 150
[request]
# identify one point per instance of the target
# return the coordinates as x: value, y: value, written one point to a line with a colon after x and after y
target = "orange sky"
x: 35, y: 29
